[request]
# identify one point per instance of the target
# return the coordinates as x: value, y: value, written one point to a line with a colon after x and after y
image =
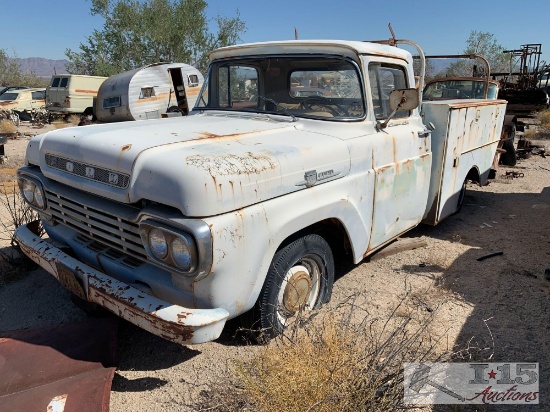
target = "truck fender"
x: 248, y: 239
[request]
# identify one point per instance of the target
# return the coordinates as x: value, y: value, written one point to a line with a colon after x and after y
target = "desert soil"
x: 501, y: 304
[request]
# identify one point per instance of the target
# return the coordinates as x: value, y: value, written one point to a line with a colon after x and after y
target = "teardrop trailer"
x: 180, y: 224
x: 149, y: 92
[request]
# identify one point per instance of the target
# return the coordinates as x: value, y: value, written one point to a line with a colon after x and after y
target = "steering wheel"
x: 321, y: 101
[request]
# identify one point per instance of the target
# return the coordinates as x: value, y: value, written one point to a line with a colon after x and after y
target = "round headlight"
x: 28, y: 190
x: 38, y: 198
x: 157, y: 243
x: 183, y: 252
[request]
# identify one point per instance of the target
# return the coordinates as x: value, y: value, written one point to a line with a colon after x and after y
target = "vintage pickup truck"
x: 295, y: 151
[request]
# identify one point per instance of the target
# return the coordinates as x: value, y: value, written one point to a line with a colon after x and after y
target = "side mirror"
x: 403, y: 99
x: 400, y: 99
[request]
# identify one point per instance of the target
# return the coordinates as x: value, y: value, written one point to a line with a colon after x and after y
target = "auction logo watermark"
x: 471, y: 383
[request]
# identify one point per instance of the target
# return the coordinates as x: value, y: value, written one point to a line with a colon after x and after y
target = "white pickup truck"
x: 295, y: 150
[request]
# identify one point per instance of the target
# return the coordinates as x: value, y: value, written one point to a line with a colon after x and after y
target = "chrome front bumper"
x: 171, y: 322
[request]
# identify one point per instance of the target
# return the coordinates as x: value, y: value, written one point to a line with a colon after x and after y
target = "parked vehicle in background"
x: 460, y: 88
x: 72, y: 93
x: 150, y: 92
x: 8, y: 88
x: 544, y: 80
x: 23, y: 99
x: 475, y: 88
x: 179, y: 224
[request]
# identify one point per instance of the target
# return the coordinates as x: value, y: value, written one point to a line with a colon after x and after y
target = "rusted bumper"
x: 171, y: 322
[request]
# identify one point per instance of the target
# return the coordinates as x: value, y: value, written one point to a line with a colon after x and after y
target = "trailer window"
x: 147, y: 92
x: 384, y: 78
x: 193, y: 80
x: 64, y: 82
x: 111, y: 102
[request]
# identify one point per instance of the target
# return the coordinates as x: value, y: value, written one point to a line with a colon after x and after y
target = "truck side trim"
x: 171, y: 322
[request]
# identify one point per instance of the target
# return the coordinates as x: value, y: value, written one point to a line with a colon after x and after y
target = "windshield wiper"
x: 280, y: 106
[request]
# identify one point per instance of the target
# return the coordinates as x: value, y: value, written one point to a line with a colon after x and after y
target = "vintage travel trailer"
x: 149, y: 92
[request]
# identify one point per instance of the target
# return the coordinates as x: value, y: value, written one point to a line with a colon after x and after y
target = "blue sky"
x: 47, y: 28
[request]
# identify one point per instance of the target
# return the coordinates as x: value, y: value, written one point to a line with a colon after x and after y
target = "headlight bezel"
x: 171, y: 233
x: 36, y: 186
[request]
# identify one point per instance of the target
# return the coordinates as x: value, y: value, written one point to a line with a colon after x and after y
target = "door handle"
x: 424, y: 133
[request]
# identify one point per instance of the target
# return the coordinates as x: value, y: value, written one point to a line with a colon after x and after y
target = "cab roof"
x: 350, y: 49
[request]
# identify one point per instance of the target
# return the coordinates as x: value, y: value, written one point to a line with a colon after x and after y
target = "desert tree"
x: 136, y: 33
x: 484, y: 44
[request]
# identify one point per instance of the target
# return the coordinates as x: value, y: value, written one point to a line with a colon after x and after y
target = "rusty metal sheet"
x: 62, y: 368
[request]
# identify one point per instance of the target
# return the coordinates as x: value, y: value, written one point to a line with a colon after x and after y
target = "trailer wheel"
x: 300, y: 278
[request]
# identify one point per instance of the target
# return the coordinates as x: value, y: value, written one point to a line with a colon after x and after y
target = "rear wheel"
x: 300, y: 278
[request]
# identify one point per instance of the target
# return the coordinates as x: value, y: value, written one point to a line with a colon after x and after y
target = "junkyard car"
x: 8, y: 88
x: 23, y: 99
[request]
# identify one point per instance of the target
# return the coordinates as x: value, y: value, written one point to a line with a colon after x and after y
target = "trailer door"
x: 179, y: 88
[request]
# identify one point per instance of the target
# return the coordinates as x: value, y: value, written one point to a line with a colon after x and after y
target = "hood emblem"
x: 87, y: 171
x: 311, y: 177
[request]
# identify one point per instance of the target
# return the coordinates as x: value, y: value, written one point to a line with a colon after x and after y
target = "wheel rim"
x: 300, y: 288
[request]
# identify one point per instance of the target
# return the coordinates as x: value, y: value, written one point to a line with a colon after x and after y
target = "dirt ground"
x: 501, y: 304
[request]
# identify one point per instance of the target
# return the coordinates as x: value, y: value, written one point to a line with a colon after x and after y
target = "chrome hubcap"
x: 297, y: 291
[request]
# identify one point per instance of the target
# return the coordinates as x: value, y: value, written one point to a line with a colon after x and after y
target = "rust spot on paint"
x: 230, y: 164
x: 208, y: 135
x: 126, y: 147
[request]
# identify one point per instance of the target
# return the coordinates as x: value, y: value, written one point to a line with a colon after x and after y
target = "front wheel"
x: 300, y: 277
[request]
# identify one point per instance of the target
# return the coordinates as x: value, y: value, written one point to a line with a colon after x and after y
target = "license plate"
x: 68, y: 280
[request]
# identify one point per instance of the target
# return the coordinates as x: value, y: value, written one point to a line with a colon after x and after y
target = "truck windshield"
x: 329, y: 88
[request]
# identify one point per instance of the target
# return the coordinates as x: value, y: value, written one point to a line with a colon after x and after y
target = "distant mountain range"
x: 42, y: 67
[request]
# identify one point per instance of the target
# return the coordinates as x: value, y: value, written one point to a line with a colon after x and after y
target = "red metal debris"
x: 62, y: 368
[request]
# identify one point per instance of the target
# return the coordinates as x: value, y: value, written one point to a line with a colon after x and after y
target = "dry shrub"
x: 530, y: 134
x: 441, y: 258
x: 544, y: 118
x: 7, y: 127
x: 13, y: 264
x: 346, y: 362
x: 74, y: 119
x: 61, y: 125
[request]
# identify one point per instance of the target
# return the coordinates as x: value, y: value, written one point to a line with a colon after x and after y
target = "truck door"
x: 401, y: 157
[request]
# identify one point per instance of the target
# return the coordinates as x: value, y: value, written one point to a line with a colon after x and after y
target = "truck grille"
x: 98, y: 227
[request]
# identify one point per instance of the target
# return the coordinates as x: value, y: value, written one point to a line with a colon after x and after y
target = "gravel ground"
x: 502, y: 302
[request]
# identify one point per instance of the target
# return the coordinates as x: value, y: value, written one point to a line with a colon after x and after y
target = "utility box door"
x: 466, y: 136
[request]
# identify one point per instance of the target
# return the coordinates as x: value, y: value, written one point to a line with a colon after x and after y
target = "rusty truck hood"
x: 204, y: 164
